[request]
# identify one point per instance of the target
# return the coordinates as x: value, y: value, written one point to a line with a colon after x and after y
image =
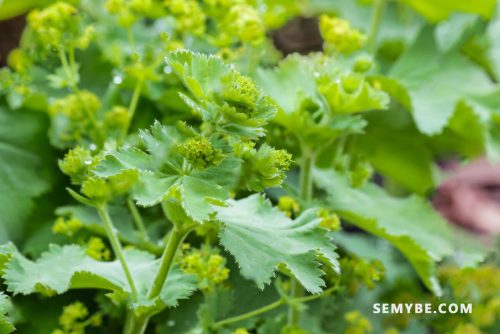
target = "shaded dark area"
x: 10, y: 34
x: 299, y: 35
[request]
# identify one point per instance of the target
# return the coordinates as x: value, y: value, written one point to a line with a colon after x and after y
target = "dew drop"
x: 93, y: 147
x: 171, y: 323
x: 88, y: 162
x: 167, y: 69
x: 117, y: 79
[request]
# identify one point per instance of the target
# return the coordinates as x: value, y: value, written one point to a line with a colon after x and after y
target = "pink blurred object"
x: 470, y: 197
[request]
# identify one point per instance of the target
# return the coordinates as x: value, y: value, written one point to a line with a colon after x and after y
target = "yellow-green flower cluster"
x: 241, y: 331
x: 264, y: 167
x: 466, y: 329
x: 340, y: 36
x: 480, y: 285
x: 241, y: 90
x: 357, y: 323
x: 289, y: 206
x: 291, y: 329
x: 117, y: 119
x: 19, y: 61
x: 74, y: 119
x: 200, y: 152
x: 245, y: 23
x: 363, y: 64
x: 76, y: 164
x: 207, y: 265
x: 189, y: 16
x: 96, y: 248
x: 67, y: 226
x: 329, y: 221
x: 97, y: 189
x: 76, y: 107
x: 75, y: 318
x: 128, y: 11
x: 356, y: 271
x: 59, y: 26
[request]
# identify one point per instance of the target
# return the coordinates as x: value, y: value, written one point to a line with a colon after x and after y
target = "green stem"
x: 176, y: 237
x: 116, y: 245
x: 306, y: 192
x: 325, y: 293
x: 131, y: 39
x: 306, y: 184
x: 70, y: 69
x: 250, y: 314
x: 296, y: 291
x: 136, y: 215
x: 135, y: 324
x: 274, y: 305
x: 133, y: 106
x: 144, y: 245
x: 66, y: 67
x: 378, y: 12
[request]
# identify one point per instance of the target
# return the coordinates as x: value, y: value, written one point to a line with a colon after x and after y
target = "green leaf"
x: 437, y: 82
x: 410, y: 224
x: 68, y: 267
x: 450, y: 32
x: 223, y: 97
x: 493, y: 34
x: 437, y: 10
x: 260, y: 237
x: 162, y: 176
x: 6, y: 326
x: 397, y: 150
x: 317, y: 100
x: 465, y: 134
x: 22, y: 170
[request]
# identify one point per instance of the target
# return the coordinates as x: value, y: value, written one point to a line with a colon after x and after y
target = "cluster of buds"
x: 240, y: 91
x: 264, y: 167
x: 200, y: 152
x: 340, y: 36
x: 329, y: 221
x: 245, y: 22
x: 356, y: 271
x: 357, y: 323
x: 59, y: 26
x: 72, y: 118
x: 101, y: 189
x: 128, y: 11
x: 67, y: 226
x: 76, y: 164
x: 206, y: 264
x: 289, y: 206
x: 188, y: 14
x: 97, y: 249
x: 75, y: 318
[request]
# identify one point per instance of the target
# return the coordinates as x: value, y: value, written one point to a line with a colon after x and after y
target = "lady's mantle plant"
x: 201, y: 165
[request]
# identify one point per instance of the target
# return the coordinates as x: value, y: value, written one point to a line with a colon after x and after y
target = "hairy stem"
x: 70, y: 68
x: 135, y: 324
x: 306, y: 192
x: 176, y: 237
x: 142, y: 244
x: 250, y: 314
x: 378, y: 12
x: 272, y: 306
x: 116, y: 245
x: 133, y: 106
x: 136, y: 215
x: 306, y: 184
